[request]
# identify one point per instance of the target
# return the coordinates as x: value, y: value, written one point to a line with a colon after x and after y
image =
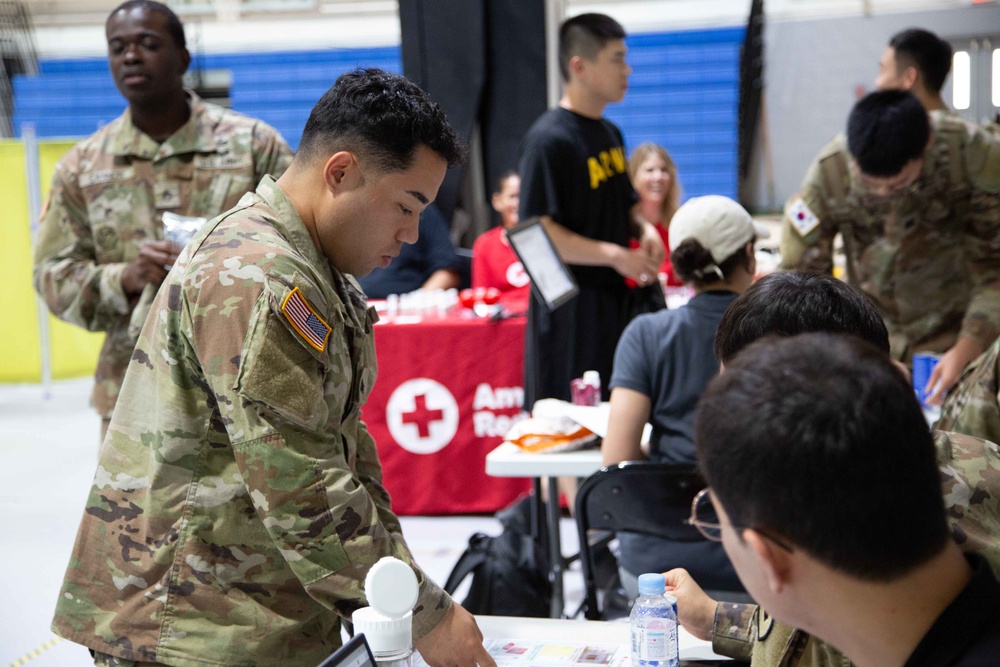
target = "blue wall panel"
x: 73, y: 98
x: 683, y: 94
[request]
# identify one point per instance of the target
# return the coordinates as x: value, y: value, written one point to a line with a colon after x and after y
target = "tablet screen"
x: 354, y: 653
x: 550, y: 278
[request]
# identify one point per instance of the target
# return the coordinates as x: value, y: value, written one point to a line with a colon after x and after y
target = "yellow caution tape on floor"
x: 34, y: 653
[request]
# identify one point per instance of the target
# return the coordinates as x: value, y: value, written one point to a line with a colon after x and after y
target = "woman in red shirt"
x: 654, y: 177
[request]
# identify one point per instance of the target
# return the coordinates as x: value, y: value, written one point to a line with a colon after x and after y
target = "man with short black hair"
x: 799, y: 439
x: 102, y: 250
x: 887, y: 135
x: 238, y: 502
x: 918, y: 207
x: 574, y: 177
x: 916, y: 60
x: 794, y: 302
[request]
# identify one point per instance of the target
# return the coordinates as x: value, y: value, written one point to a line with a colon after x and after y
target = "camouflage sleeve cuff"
x: 980, y: 327
x: 733, y: 630
x: 112, y: 292
x: 433, y: 604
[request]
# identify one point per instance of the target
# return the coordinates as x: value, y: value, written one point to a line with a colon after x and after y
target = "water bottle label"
x: 653, y: 642
x: 654, y: 634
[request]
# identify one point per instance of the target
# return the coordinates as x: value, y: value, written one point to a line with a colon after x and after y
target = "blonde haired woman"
x: 654, y: 177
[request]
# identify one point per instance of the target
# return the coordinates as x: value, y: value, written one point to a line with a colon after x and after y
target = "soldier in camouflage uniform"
x: 100, y: 252
x: 973, y: 406
x: 920, y: 224
x: 803, y: 534
x: 238, y: 503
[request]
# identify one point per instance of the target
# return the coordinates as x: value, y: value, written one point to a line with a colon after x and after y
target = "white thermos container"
x: 387, y: 623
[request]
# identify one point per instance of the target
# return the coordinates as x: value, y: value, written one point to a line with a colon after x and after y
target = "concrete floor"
x: 48, y: 441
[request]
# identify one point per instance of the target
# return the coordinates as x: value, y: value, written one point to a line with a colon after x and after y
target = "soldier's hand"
x: 695, y: 610
x: 151, y: 266
x: 455, y: 642
x: 637, y: 265
x: 949, y: 368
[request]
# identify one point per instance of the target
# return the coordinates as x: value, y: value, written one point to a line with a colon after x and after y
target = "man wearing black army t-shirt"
x: 573, y: 175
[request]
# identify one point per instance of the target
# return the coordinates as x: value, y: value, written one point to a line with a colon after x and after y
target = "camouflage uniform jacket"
x: 973, y: 405
x: 970, y: 483
x: 929, y: 255
x: 238, y: 501
x: 108, y: 196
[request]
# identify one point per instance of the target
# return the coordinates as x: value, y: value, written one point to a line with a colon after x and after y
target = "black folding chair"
x: 635, y: 497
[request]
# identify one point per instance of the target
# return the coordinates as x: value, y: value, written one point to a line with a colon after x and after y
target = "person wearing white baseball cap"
x: 719, y: 225
x: 662, y: 365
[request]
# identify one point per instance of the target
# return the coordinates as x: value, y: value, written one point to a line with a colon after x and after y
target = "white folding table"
x: 693, y: 651
x: 508, y: 460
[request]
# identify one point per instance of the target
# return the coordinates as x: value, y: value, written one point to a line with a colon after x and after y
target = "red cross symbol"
x: 421, y: 416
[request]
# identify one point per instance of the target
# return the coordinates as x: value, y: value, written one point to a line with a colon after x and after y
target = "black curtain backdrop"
x: 482, y: 61
x: 751, y: 84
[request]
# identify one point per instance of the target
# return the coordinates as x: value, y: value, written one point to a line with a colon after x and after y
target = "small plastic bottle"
x: 593, y: 379
x: 586, y: 390
x: 391, y: 589
x: 653, y: 624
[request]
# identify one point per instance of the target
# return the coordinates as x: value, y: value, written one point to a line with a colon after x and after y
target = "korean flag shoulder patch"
x: 803, y: 219
x: 305, y: 319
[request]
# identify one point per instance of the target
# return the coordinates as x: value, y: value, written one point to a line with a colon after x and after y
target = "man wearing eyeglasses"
x: 795, y: 302
x: 917, y: 202
x: 827, y: 491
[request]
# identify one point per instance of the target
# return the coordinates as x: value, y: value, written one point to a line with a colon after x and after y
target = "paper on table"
x: 594, y: 418
x: 517, y: 653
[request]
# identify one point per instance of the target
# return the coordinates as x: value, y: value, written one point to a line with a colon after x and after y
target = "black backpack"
x: 510, y: 574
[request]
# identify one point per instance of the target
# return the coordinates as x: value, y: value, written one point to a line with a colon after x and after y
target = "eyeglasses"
x: 706, y: 520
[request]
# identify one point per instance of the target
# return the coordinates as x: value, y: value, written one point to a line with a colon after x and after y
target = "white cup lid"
x: 391, y: 587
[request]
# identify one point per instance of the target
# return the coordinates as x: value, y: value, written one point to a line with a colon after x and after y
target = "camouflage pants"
x: 105, y: 660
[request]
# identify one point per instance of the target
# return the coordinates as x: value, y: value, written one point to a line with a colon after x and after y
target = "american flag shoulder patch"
x: 305, y: 320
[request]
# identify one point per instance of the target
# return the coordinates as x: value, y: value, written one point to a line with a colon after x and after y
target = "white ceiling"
x: 90, y: 12
x: 74, y: 28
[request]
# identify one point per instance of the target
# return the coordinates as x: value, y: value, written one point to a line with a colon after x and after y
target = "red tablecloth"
x: 446, y: 393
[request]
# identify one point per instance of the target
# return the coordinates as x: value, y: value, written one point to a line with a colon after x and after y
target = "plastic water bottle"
x: 654, y: 625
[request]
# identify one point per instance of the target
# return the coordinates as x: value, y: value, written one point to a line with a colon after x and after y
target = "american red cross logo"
x: 421, y: 416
